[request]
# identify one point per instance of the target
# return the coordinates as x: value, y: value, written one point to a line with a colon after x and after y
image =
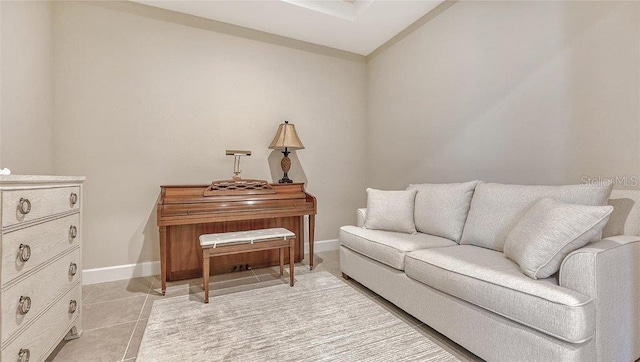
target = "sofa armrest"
x: 609, y: 272
x: 361, y: 215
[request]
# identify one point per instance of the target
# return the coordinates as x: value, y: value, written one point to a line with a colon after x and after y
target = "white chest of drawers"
x: 40, y: 264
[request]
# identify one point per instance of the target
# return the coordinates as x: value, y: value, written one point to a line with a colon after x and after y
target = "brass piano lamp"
x: 236, y: 161
x: 286, y: 139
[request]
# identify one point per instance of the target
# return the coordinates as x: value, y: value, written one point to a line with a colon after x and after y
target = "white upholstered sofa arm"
x: 579, y: 268
x: 361, y: 215
x: 609, y: 272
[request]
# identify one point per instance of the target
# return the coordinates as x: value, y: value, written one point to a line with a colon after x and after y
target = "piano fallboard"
x: 180, y: 205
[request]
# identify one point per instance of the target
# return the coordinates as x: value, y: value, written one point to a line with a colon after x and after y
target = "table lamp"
x: 286, y: 139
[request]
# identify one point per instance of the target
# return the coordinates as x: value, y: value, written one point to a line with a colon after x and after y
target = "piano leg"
x: 312, y: 232
x: 163, y: 258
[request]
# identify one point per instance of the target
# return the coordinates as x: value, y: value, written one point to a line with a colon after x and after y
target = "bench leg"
x: 205, y: 273
x: 292, y: 266
x: 281, y: 261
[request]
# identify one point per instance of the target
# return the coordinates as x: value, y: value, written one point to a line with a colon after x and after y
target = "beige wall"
x: 142, y: 102
x: 511, y: 92
x: 521, y: 92
x: 26, y: 99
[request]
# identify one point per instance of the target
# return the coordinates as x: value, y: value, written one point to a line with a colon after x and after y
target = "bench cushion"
x: 235, y: 237
x: 388, y: 247
x: 488, y: 279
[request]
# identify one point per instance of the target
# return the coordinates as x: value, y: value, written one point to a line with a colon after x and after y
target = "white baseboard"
x: 147, y: 268
x: 120, y: 272
x: 323, y: 245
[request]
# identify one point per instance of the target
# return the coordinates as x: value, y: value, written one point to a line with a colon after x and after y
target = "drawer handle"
x: 73, y: 232
x: 25, y: 305
x: 24, y: 207
x: 24, y: 355
x: 73, y: 305
x: 73, y: 268
x: 73, y: 198
x: 24, y: 252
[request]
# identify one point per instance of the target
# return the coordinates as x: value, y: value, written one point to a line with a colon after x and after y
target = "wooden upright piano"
x: 186, y: 212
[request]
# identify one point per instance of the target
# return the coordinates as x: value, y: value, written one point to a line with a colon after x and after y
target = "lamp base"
x: 286, y: 166
x: 285, y: 179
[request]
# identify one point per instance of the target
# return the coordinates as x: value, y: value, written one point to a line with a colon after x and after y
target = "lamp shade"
x: 286, y: 137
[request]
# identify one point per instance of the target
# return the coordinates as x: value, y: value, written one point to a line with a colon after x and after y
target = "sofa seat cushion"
x: 488, y: 279
x: 388, y: 247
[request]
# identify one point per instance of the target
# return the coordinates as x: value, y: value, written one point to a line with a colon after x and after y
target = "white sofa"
x: 469, y: 291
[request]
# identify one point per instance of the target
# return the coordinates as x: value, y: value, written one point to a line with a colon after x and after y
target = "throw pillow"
x: 441, y: 209
x: 549, y: 231
x: 390, y: 210
x: 495, y: 208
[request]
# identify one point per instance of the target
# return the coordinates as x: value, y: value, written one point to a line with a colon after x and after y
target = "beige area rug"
x: 320, y: 319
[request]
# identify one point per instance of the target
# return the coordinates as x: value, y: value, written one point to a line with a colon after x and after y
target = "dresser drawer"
x: 20, y: 206
x: 46, y: 331
x: 38, y: 291
x: 44, y: 241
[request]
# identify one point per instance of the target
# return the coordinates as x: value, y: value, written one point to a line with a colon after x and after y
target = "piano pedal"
x: 241, y: 267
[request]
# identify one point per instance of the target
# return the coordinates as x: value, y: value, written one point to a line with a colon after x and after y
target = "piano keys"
x: 186, y: 212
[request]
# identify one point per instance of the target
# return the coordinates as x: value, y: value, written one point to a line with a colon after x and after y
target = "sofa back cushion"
x: 495, y: 208
x: 441, y: 209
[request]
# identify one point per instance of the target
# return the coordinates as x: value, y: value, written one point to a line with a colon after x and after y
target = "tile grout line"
x: 108, y: 326
x: 256, y: 276
x: 88, y: 294
x: 146, y: 299
x: 113, y: 300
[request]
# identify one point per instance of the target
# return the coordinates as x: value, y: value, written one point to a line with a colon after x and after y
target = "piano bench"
x: 243, y: 242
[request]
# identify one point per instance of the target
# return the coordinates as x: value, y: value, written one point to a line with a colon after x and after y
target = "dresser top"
x: 13, y: 179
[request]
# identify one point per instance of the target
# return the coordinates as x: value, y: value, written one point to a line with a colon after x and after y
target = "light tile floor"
x: 115, y: 313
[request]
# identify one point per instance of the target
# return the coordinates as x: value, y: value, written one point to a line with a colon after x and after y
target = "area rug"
x: 319, y: 319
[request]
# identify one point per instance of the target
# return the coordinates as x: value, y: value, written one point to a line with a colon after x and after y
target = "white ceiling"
x: 358, y: 26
